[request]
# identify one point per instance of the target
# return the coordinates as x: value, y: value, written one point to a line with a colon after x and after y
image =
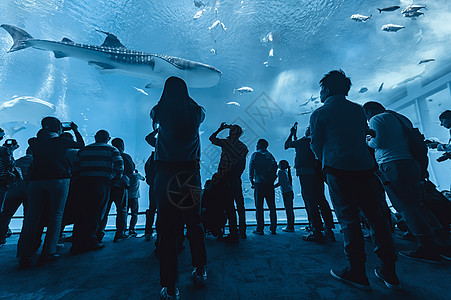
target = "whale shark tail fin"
x: 19, y: 36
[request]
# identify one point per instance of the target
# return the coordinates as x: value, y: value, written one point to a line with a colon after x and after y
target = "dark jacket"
x: 50, y: 156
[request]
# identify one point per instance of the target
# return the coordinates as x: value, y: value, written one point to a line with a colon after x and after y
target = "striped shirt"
x: 99, y: 160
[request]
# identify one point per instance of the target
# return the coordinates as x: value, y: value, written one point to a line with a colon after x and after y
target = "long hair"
x: 174, y: 100
x: 284, y: 165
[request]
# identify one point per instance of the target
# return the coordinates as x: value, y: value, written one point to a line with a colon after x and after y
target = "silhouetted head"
x: 2, y: 134
x: 175, y: 90
x: 373, y: 108
x: 235, y: 132
x: 283, y: 164
x: 102, y: 136
x: 52, y: 124
x: 262, y: 144
x: 119, y: 144
x: 334, y: 83
x: 445, y: 119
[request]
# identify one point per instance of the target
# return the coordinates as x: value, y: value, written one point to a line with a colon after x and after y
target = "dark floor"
x: 281, y: 266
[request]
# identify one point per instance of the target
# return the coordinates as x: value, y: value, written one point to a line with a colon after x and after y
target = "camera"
x: 10, y: 143
x: 444, y: 156
x: 66, y: 126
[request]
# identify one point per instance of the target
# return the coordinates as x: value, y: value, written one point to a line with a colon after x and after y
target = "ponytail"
x: 290, y: 179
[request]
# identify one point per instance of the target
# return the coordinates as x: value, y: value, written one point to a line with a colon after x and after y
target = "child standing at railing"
x: 286, y: 186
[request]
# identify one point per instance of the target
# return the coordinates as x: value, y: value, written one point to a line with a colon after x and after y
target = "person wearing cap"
x: 48, y: 189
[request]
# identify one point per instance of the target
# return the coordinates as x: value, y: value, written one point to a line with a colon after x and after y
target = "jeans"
x: 404, y: 191
x: 150, y: 213
x: 44, y: 196
x: 288, y: 198
x: 265, y: 191
x: 316, y: 205
x: 352, y: 194
x: 133, y: 206
x: 237, y: 194
x: 16, y: 195
x: 89, y: 209
x: 177, y: 192
x: 118, y: 195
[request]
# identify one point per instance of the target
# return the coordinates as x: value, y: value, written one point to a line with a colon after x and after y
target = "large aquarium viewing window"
x: 252, y: 63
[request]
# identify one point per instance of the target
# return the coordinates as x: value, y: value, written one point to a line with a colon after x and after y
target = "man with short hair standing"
x: 338, y: 132
x: 97, y: 165
x: 262, y: 173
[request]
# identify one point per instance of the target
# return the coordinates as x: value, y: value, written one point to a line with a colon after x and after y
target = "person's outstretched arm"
x: 78, y: 138
x: 214, y: 136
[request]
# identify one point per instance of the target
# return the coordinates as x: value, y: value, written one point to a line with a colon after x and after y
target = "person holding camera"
x: 231, y: 167
x: 6, y: 165
x: 48, y: 189
x: 308, y: 169
x: 398, y: 165
x: 445, y: 121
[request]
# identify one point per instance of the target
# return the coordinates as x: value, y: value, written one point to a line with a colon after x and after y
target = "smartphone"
x: 66, y: 126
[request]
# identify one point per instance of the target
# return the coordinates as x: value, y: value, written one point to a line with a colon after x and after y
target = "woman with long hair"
x: 177, y: 185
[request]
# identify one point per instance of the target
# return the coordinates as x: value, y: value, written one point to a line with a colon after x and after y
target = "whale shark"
x: 113, y: 56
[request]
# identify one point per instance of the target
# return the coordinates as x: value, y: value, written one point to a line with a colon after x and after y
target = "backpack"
x: 417, y: 146
x: 266, y: 167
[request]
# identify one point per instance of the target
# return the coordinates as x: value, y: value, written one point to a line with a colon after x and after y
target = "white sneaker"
x: 199, y: 280
x: 165, y: 296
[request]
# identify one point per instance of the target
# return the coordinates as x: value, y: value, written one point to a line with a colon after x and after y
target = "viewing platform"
x: 281, y: 266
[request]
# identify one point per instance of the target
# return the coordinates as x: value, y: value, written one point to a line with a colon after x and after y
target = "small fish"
x: 271, y: 52
x: 141, y: 91
x: 199, y: 14
x: 233, y: 103
x: 412, y: 8
x: 360, y: 18
x: 244, y: 89
x: 311, y: 99
x: 413, y: 14
x: 390, y: 8
x: 363, y: 90
x: 391, y: 27
x: 380, y: 87
x: 217, y: 23
x: 213, y: 51
x: 426, y: 60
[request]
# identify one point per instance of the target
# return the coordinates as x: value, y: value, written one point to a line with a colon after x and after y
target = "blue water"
x: 279, y: 48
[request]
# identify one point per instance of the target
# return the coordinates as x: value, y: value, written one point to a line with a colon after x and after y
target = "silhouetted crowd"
x: 362, y: 153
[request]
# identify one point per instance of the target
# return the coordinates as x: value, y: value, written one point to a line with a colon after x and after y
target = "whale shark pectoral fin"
x: 67, y: 40
x: 101, y: 65
x: 111, y: 40
x: 154, y: 84
x: 59, y: 54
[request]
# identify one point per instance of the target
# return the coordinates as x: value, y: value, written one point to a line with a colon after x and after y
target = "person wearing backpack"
x: 397, y: 162
x: 262, y: 173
